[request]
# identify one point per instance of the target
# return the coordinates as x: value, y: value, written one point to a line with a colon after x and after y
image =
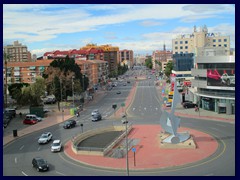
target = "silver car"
x: 45, y: 138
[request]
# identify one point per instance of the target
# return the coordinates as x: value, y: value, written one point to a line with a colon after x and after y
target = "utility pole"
x: 126, y: 138
x: 61, y: 100
x: 73, y: 90
x: 198, y: 98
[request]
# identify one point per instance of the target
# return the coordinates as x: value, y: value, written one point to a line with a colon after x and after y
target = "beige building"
x: 162, y: 57
x: 188, y: 43
x: 126, y: 57
x: 17, y: 52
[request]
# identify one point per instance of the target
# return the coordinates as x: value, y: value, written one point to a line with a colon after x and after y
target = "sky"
x: 142, y: 28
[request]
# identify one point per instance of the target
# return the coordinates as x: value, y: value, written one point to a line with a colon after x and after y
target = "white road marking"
x: 221, y: 125
x: 134, y: 109
x: 21, y: 147
x: 145, y: 109
x: 156, y: 109
x: 24, y: 173
x: 15, y: 160
x: 60, y: 173
x: 39, y: 148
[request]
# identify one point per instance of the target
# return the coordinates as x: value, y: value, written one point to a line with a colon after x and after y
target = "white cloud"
x: 151, y: 23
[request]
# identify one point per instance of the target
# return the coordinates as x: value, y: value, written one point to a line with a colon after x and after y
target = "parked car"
x: 30, y: 121
x: 45, y: 138
x: 96, y: 117
x: 169, y: 104
x: 40, y: 164
x: 6, y: 120
x: 56, y: 146
x: 33, y: 117
x: 69, y: 124
x: 10, y: 111
x: 189, y: 105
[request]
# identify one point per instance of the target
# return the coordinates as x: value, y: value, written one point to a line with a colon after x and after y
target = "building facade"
x: 161, y: 57
x: 214, y: 80
x: 126, y: 57
x: 183, y: 62
x: 189, y: 43
x: 17, y: 52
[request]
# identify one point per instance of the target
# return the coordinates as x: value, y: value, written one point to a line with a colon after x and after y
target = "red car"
x: 30, y: 121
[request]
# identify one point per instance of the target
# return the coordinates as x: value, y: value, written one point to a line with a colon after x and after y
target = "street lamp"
x: 198, y: 98
x: 61, y: 100
x: 73, y: 90
x: 126, y: 138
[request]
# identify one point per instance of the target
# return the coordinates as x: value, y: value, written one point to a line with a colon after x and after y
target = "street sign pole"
x: 134, y: 159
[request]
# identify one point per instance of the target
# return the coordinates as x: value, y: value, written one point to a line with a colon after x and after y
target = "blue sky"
x: 142, y: 28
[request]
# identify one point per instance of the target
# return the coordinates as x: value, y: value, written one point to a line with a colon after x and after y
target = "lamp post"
x: 61, y: 100
x: 126, y: 138
x: 198, y: 98
x: 73, y: 90
x: 6, y: 83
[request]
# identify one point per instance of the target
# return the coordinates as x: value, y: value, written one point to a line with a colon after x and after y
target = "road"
x: 144, y: 109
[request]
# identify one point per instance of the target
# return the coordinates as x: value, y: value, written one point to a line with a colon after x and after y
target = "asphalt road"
x: 145, y: 109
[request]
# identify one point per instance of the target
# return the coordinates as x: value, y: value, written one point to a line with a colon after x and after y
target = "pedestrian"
x: 196, y: 109
x: 20, y: 114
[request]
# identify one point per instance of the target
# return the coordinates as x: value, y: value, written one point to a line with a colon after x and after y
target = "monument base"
x: 165, y: 138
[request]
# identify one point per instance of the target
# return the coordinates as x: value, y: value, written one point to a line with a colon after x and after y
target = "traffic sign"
x: 133, y: 149
x: 123, y: 104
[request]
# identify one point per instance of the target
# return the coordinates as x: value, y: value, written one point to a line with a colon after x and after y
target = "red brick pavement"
x: 149, y: 154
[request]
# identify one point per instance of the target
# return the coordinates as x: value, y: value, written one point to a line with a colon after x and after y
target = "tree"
x: 148, y: 62
x: 168, y: 69
x: 15, y: 89
x: 64, y: 69
x: 31, y: 95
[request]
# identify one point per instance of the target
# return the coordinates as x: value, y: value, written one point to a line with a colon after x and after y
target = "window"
x: 181, y: 47
x: 181, y: 42
x: 225, y: 40
x: 186, y: 47
x: 219, y: 40
x: 214, y: 45
x: 176, y: 47
x: 214, y: 40
x: 186, y: 42
x: 225, y: 45
x: 176, y: 42
x: 219, y: 45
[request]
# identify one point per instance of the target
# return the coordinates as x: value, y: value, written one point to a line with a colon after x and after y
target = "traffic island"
x: 188, y: 144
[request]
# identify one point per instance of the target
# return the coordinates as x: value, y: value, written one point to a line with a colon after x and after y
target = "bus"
x: 170, y: 96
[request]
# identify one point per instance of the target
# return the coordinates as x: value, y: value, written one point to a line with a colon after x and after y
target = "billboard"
x: 222, y: 78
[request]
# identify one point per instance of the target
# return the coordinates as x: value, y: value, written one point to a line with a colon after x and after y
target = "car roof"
x: 57, y: 141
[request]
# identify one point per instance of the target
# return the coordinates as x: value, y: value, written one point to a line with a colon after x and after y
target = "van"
x: 33, y: 117
x: 10, y: 111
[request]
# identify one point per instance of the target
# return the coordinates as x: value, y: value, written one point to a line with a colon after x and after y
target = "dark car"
x: 189, y: 105
x: 69, y: 124
x: 96, y: 117
x: 10, y: 111
x: 118, y: 92
x: 6, y: 120
x: 40, y: 164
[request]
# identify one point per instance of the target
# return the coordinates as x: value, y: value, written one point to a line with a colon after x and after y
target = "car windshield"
x: 56, y: 144
x: 44, y: 136
x: 41, y: 162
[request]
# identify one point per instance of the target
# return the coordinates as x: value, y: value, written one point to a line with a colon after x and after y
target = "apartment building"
x: 26, y: 72
x: 189, y: 43
x: 17, y: 52
x: 126, y: 57
x: 161, y: 56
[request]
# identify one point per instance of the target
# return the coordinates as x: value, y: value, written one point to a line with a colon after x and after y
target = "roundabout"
x: 149, y: 153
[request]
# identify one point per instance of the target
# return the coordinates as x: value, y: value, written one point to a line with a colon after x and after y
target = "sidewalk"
x: 202, y: 114
x: 53, y: 118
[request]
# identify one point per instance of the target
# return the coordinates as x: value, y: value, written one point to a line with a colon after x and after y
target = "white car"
x: 45, y: 138
x: 94, y: 112
x: 56, y: 146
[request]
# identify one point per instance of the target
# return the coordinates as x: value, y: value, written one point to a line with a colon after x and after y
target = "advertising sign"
x: 222, y: 78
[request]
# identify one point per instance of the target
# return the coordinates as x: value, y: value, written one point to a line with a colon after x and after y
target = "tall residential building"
x: 161, y: 57
x: 189, y: 43
x: 17, y: 52
x: 126, y: 57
